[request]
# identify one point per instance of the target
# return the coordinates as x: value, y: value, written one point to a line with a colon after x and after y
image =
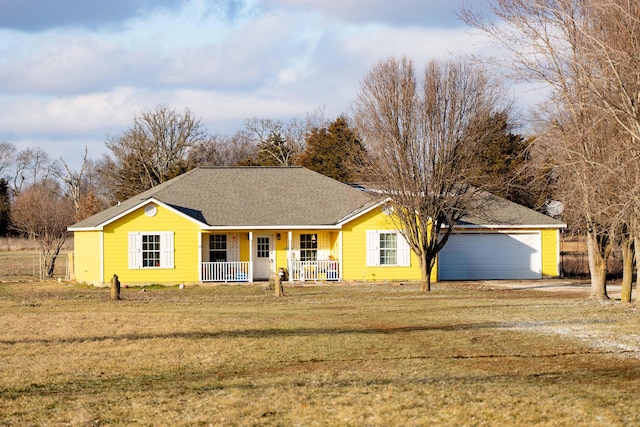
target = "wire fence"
x: 29, y: 266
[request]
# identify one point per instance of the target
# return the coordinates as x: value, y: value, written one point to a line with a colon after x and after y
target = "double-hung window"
x: 308, y: 247
x: 217, y: 248
x: 151, y: 250
x: 387, y: 248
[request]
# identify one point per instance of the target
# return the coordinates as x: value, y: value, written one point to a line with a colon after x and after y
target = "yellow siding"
x: 350, y: 246
x: 281, y: 251
x: 245, y: 247
x: 550, y: 253
x: 354, y: 263
x: 87, y: 256
x: 186, y: 247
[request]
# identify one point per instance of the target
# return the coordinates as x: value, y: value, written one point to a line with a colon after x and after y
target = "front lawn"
x: 369, y: 354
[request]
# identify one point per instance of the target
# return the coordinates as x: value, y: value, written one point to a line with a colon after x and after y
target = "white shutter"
x: 166, y: 250
x: 404, y: 251
x: 373, y: 248
x: 135, y: 251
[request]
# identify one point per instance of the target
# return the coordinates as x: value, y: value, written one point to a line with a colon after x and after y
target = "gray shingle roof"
x: 290, y: 196
x: 251, y: 197
x: 491, y: 210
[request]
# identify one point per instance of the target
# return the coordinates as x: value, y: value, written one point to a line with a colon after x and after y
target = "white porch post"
x: 251, y: 256
x: 289, y: 253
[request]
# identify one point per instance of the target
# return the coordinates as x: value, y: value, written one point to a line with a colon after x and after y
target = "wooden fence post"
x: 115, y: 287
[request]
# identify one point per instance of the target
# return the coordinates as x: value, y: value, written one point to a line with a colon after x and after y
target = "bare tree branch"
x: 422, y: 133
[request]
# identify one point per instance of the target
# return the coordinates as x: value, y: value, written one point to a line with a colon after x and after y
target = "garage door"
x: 491, y: 256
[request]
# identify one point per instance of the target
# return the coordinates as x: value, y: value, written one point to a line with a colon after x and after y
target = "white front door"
x: 264, y: 257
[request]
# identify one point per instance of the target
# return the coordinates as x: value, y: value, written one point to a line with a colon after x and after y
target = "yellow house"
x: 245, y: 224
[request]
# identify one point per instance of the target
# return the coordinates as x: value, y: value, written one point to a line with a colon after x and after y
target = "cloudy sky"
x: 73, y: 72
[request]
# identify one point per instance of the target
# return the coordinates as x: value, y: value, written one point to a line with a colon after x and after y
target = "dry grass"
x: 374, y: 355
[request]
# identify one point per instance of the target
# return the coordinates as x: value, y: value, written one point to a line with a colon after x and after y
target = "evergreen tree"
x: 334, y: 151
x: 506, y: 166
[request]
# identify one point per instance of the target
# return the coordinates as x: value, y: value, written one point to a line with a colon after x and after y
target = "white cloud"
x: 59, y: 63
x: 67, y: 115
x: 225, y: 60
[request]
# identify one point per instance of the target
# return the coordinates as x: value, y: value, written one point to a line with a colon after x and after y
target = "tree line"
x: 40, y: 196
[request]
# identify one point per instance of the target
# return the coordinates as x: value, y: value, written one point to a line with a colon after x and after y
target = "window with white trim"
x: 151, y: 250
x: 387, y: 248
x: 217, y: 248
x: 308, y: 247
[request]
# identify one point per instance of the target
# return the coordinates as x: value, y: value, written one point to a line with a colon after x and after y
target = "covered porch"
x: 247, y: 256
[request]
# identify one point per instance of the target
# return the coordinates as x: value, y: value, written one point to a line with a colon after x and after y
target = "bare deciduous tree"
x: 278, y: 142
x: 219, y: 150
x: 317, y: 119
x: 586, y: 52
x: 7, y: 157
x: 422, y: 134
x: 613, y: 47
x: 154, y: 150
x: 31, y: 166
x: 73, y: 179
x: 80, y: 186
x: 42, y: 213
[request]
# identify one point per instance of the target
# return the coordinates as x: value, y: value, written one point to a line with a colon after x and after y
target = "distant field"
x: 20, y: 260
x: 17, y: 244
x: 371, y: 354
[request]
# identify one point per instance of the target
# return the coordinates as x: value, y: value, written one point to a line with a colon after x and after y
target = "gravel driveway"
x: 554, y: 285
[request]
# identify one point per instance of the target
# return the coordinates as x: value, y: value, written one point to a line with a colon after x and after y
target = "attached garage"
x: 491, y: 256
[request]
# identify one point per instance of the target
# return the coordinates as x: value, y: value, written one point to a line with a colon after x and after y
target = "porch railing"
x: 314, y: 270
x: 226, y: 271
